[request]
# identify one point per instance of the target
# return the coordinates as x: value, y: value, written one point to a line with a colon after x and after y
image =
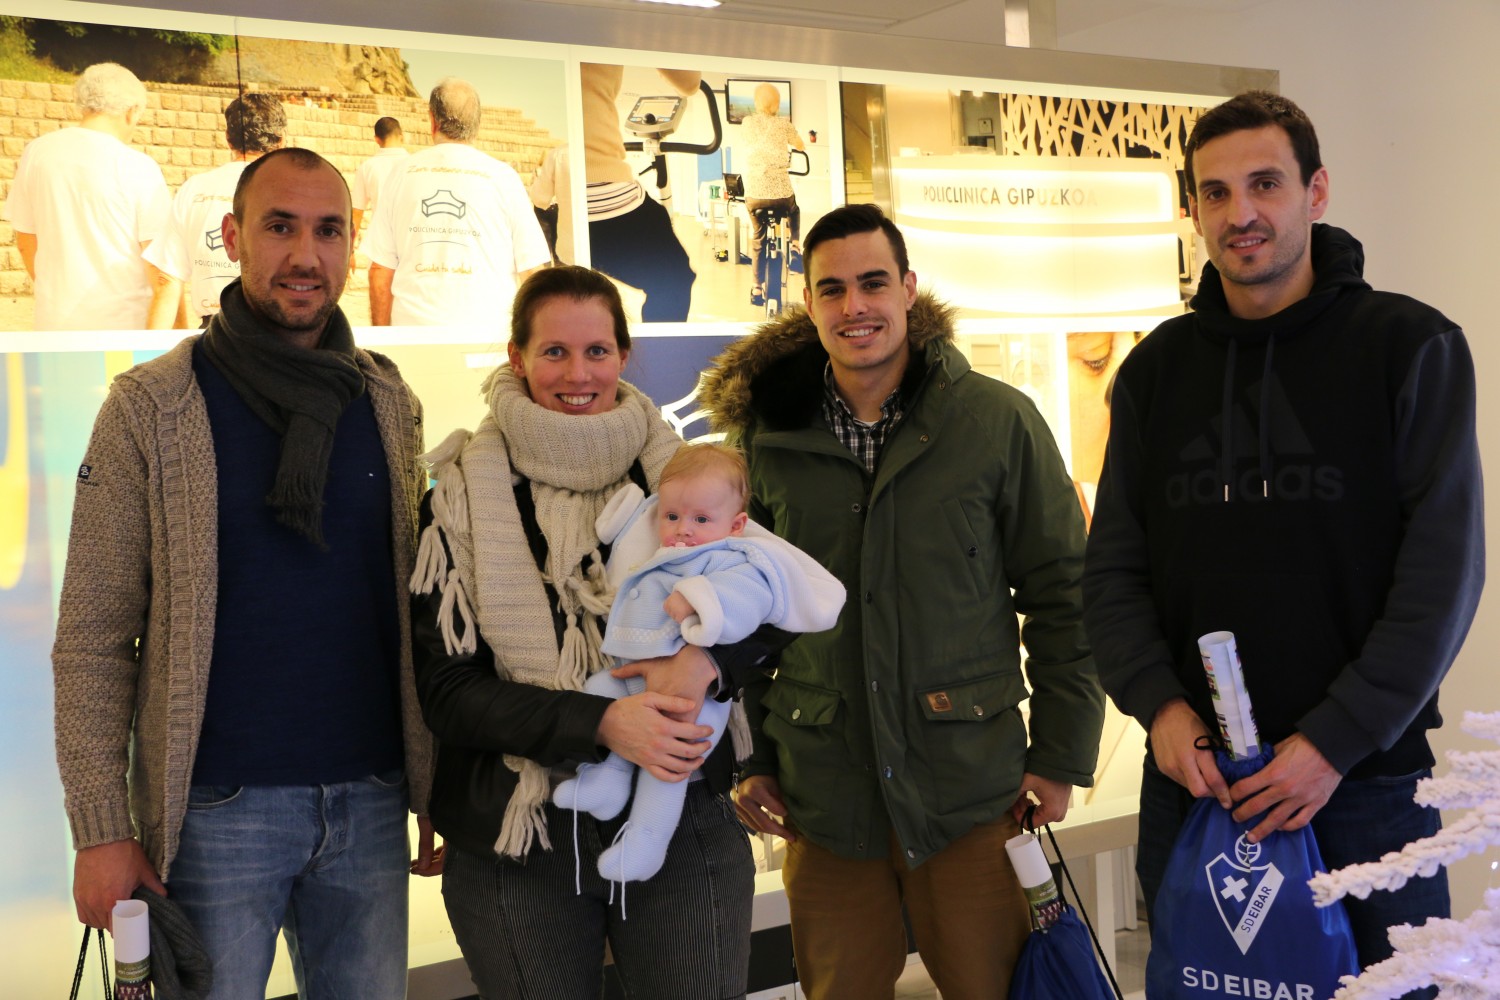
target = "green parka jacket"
x: 905, y: 715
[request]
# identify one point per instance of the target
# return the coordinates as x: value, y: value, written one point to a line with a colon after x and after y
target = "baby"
x: 688, y: 566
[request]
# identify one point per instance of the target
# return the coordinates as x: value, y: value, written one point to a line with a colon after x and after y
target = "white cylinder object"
x: 1035, y: 876
x: 1027, y: 859
x: 1226, y: 681
x: 130, y: 922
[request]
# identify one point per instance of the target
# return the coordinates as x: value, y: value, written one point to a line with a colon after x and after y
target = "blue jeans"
x: 1362, y: 820
x: 328, y: 864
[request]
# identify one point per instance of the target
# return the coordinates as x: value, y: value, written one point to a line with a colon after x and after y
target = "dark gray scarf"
x: 299, y: 393
x: 181, y: 968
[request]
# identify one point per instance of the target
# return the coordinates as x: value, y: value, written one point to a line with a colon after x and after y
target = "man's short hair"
x: 254, y: 123
x: 1255, y: 109
x: 455, y: 109
x: 304, y: 159
x: 851, y: 220
x: 567, y: 281
x: 385, y: 128
x: 108, y: 89
x: 710, y: 457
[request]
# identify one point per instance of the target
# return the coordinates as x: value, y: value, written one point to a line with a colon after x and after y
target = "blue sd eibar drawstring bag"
x: 1237, y: 919
x: 1057, y: 962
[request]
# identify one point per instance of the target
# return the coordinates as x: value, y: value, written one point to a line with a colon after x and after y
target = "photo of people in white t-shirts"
x: 454, y: 232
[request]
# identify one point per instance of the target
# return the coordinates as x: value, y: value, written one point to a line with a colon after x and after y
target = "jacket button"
x: 855, y: 508
x: 924, y: 439
x: 859, y: 846
x: 869, y: 597
x: 979, y: 710
x: 635, y: 592
x: 973, y: 551
x: 942, y: 385
x: 874, y: 685
x: 910, y: 853
x: 888, y: 772
x: 796, y: 713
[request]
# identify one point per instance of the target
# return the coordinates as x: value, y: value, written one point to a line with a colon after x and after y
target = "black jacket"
x: 479, y: 717
x: 1310, y: 482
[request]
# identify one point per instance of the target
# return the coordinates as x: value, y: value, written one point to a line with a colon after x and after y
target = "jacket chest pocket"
x: 965, y: 546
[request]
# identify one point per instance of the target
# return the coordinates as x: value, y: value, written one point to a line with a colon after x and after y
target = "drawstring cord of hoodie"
x: 1226, y: 452
x: 1226, y: 456
x: 1265, y: 421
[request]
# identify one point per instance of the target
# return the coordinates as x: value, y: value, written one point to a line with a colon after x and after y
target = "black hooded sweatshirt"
x: 1310, y: 482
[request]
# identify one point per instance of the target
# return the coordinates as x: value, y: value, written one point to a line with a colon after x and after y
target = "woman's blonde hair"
x: 767, y: 99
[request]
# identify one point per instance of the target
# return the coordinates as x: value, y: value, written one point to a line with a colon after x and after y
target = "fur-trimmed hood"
x: 776, y: 373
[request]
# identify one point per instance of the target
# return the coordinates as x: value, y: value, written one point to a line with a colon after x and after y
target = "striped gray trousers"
x: 684, y: 934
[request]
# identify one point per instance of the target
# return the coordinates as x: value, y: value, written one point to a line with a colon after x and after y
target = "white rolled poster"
x: 1035, y: 874
x: 1226, y: 684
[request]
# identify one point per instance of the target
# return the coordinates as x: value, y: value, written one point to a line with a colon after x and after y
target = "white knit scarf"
x: 574, y: 465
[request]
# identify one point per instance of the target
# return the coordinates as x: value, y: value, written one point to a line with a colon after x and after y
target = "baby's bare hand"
x: 678, y: 607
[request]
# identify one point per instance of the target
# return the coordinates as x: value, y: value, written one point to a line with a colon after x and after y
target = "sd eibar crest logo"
x: 1243, y: 891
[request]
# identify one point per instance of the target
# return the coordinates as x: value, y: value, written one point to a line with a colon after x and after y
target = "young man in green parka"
x: 890, y: 751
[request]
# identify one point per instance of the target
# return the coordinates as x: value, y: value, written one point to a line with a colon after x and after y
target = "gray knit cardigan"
x: 135, y: 630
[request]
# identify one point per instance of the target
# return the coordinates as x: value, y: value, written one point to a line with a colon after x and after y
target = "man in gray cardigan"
x: 236, y: 716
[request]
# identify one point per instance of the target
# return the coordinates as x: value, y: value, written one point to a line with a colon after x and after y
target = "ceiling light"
x: 686, y: 3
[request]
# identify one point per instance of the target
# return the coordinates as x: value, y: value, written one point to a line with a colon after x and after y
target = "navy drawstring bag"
x: 1058, y: 963
x: 1237, y: 919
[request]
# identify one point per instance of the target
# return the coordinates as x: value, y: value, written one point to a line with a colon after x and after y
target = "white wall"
x: 919, y: 118
x: 1406, y: 99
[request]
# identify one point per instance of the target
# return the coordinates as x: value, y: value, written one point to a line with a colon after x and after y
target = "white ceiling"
x: 964, y: 38
x: 1077, y: 15
x: 953, y: 20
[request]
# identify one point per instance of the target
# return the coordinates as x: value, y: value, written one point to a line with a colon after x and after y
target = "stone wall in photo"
x: 183, y: 131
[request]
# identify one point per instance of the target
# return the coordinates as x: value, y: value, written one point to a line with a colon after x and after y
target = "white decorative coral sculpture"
x: 1460, y: 957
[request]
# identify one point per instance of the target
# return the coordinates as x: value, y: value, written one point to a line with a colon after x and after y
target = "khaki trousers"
x: 968, y: 914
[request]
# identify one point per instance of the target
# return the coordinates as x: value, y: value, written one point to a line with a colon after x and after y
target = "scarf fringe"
x: 450, y: 516
x: 297, y: 500
x: 580, y: 657
x: 592, y: 591
x: 525, y: 821
x: 456, y: 598
x: 447, y: 451
x: 586, y: 597
x: 432, y: 561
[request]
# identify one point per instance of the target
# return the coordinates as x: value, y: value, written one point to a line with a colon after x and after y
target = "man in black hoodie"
x: 1295, y: 462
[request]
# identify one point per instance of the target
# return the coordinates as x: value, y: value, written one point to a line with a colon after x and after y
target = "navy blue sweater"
x: 303, y: 684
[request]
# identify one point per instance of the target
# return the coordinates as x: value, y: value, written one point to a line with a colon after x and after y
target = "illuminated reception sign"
x: 1045, y: 196
x: 1050, y: 236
